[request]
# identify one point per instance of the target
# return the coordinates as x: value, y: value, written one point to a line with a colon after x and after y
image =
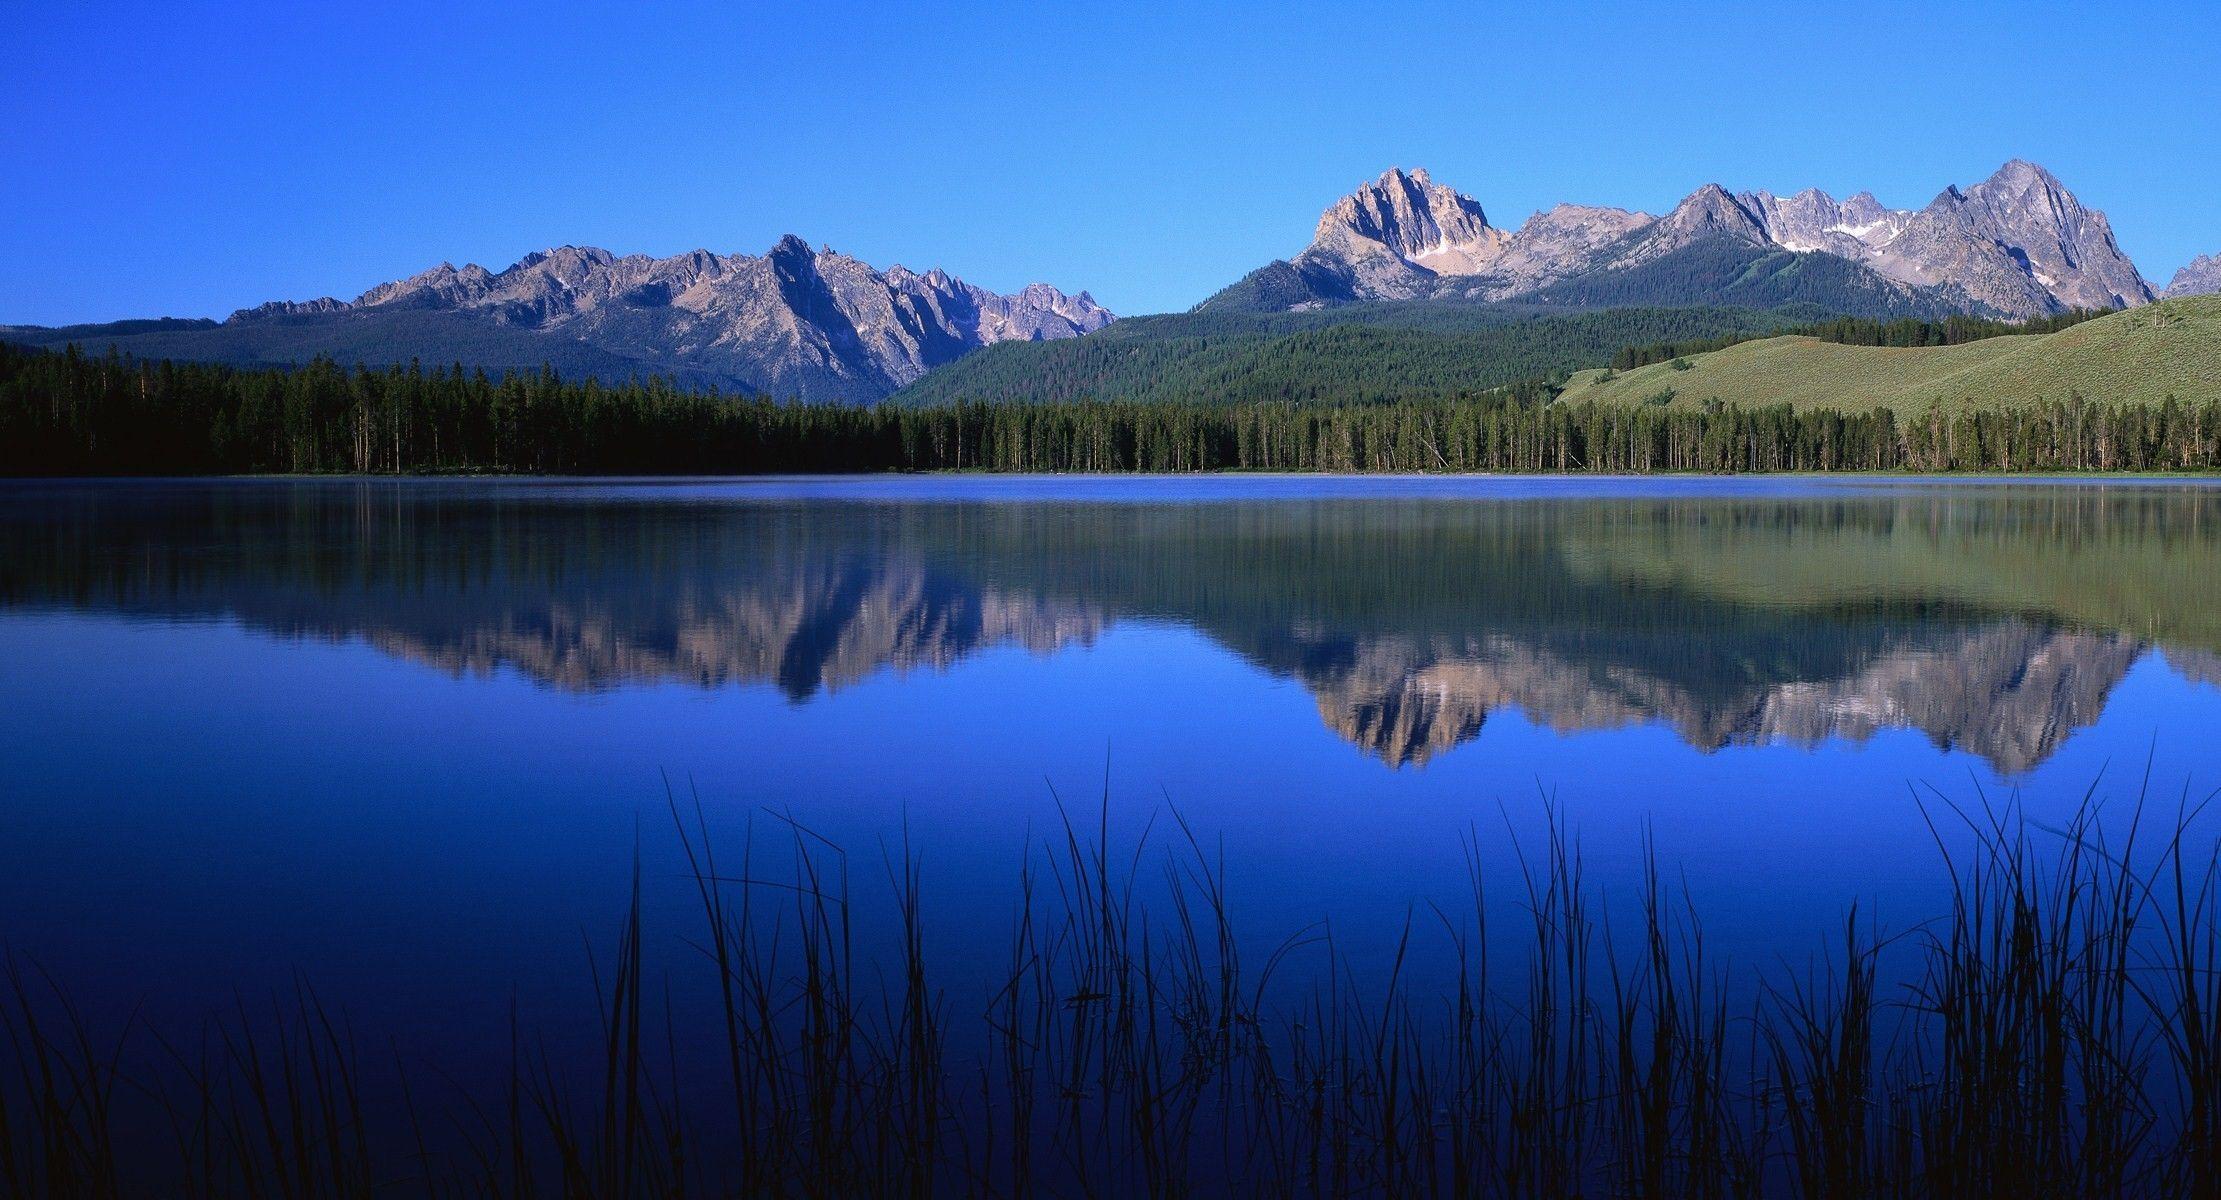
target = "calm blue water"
x: 403, y: 737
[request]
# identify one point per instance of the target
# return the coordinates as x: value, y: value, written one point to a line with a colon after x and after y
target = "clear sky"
x: 189, y: 158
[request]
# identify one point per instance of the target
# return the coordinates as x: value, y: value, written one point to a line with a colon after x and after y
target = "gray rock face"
x: 1393, y: 237
x: 1813, y: 220
x: 1404, y: 237
x: 2068, y: 249
x: 795, y: 322
x: 291, y: 308
x: 2201, y: 278
x: 1707, y: 213
x: 2017, y: 244
x: 1561, y: 241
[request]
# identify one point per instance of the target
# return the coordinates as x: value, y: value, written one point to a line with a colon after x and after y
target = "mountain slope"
x: 2171, y: 348
x: 813, y: 325
x: 1721, y: 268
x: 1354, y: 353
x: 2018, y: 244
x: 433, y: 337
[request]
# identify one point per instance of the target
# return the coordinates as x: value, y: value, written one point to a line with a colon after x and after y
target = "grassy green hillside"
x: 1354, y: 353
x: 2143, y: 355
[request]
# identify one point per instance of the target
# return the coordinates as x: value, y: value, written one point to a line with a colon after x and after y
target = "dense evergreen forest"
x: 1711, y: 271
x: 1723, y: 270
x: 1350, y: 354
x: 1407, y: 351
x: 72, y: 414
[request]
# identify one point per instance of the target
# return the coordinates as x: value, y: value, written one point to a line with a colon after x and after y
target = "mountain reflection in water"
x: 1995, y: 619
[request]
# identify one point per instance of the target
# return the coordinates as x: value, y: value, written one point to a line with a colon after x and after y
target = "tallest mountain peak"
x: 2022, y: 177
x: 1394, y: 237
x: 1398, y: 177
x: 1404, y: 224
x: 2021, y: 168
x: 2064, y: 247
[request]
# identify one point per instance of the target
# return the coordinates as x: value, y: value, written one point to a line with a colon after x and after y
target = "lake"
x: 405, y: 739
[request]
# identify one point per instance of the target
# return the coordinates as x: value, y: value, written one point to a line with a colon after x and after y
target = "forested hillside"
x: 1723, y: 271
x: 374, y: 340
x: 69, y: 414
x: 1352, y: 354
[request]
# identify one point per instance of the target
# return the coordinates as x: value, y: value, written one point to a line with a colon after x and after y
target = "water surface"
x: 404, y: 736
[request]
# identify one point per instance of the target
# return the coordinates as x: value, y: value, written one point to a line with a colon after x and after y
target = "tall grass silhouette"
x: 2056, y: 1032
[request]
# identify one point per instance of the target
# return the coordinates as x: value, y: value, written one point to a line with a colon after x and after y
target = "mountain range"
x: 1402, y: 253
x: 794, y: 322
x: 2016, y: 245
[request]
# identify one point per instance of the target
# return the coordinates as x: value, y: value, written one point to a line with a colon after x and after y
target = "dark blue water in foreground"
x: 402, y: 738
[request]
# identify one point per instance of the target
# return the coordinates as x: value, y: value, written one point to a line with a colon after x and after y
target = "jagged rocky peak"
x: 2202, y: 277
x: 2066, y: 248
x: 1414, y: 218
x: 291, y: 308
x: 1079, y: 307
x: 2017, y: 244
x: 795, y: 322
x: 443, y: 284
x: 1707, y: 214
x: 565, y: 260
x: 932, y: 278
x: 1560, y: 241
x: 1712, y: 204
x: 1814, y: 220
x: 1578, y: 218
x: 2019, y: 177
x: 1711, y: 212
x: 1862, y: 209
x: 1033, y: 312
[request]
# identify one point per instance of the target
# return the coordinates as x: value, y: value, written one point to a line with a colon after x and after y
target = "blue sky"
x: 188, y: 158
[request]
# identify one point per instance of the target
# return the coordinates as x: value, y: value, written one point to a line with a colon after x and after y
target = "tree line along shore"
x: 71, y: 413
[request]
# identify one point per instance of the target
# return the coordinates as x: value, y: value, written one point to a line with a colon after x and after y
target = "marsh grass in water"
x: 2058, y: 1034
